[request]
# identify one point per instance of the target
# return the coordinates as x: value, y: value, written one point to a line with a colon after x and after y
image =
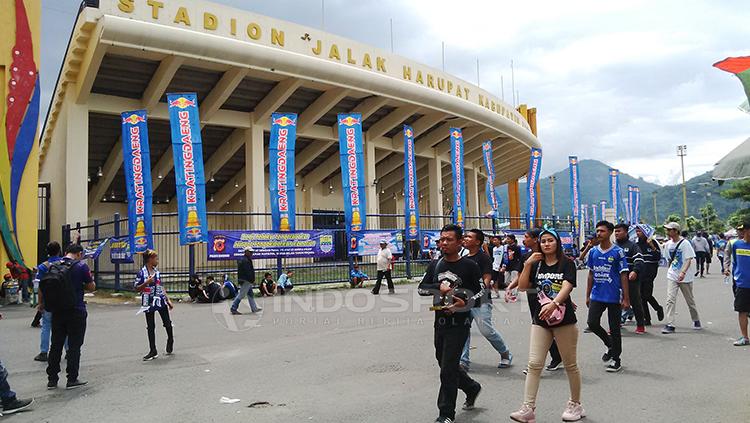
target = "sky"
x: 620, y: 82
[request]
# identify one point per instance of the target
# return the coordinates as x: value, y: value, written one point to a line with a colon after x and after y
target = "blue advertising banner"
x: 603, y: 205
x: 535, y: 169
x: 281, y: 171
x: 459, y: 181
x: 411, y: 204
x: 594, y: 215
x: 352, y: 176
x: 369, y: 244
x: 490, y: 186
x: 631, y: 203
x: 575, y: 197
x: 429, y: 240
x: 614, y: 192
x: 137, y: 164
x: 230, y: 245
x: 585, y: 224
x: 637, y: 205
x: 119, y: 251
x: 187, y: 149
x: 93, y: 249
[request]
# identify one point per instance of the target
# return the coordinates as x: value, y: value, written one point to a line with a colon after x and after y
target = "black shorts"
x: 742, y: 300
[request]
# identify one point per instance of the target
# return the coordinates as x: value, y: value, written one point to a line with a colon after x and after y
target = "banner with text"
x: 532, y: 179
x: 187, y: 149
x: 352, y: 176
x: 631, y: 203
x: 137, y: 165
x: 603, y: 205
x: 369, y: 244
x: 119, y: 251
x: 411, y: 203
x: 637, y: 206
x: 614, y: 192
x: 575, y: 198
x: 281, y: 171
x: 490, y: 185
x: 230, y: 245
x: 459, y: 182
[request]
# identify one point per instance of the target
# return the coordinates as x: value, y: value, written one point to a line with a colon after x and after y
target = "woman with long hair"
x: 553, y: 275
x: 154, y: 299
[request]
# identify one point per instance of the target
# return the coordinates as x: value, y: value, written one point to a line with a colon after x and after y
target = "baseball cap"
x: 672, y: 225
x: 744, y: 225
x: 248, y: 248
x: 383, y: 242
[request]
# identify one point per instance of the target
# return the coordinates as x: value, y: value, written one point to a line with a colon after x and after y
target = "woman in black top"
x: 554, y: 277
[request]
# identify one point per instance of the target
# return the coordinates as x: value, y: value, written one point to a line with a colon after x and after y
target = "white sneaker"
x: 524, y: 415
x: 573, y: 412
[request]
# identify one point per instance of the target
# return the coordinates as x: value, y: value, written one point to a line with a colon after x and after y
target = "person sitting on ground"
x: 357, y: 277
x: 267, y: 286
x: 213, y: 290
x: 284, y: 284
x: 195, y: 290
x: 229, y: 291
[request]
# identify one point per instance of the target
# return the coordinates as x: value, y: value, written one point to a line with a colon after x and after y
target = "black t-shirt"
x: 464, y: 275
x: 549, y: 279
x: 485, y: 266
x: 515, y: 261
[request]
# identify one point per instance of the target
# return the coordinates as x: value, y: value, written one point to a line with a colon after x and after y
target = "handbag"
x: 557, y: 316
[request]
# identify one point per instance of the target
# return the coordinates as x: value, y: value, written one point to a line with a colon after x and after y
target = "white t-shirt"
x: 678, y: 260
x: 384, y: 259
x: 497, y: 257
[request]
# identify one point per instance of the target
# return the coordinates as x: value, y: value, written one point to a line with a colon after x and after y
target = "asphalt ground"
x: 347, y: 356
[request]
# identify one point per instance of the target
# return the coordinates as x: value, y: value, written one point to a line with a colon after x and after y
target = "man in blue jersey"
x: 607, y: 289
x: 740, y: 255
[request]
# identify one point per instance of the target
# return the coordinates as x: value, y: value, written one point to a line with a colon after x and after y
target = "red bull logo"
x: 181, y: 103
x: 536, y: 154
x: 133, y: 119
x: 349, y: 121
x: 284, y: 121
x: 613, y: 172
x: 408, y: 133
x: 140, y: 241
x: 456, y: 134
x: 573, y: 161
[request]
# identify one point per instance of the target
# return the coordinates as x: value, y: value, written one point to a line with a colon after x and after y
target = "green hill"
x: 594, y: 186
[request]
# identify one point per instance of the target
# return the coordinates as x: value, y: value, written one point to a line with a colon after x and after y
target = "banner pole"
x: 116, y: 222
x: 96, y: 260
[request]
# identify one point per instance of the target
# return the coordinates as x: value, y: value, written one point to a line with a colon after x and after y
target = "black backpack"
x: 57, y: 287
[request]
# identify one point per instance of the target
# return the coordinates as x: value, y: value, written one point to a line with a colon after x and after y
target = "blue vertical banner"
x: 352, y: 177
x: 490, y: 191
x: 137, y: 164
x: 631, y: 203
x: 614, y: 192
x: 575, y: 196
x: 585, y: 224
x: 603, y: 205
x: 281, y: 171
x: 187, y: 149
x: 637, y: 206
x: 459, y: 182
x: 593, y: 215
x: 411, y: 203
x: 535, y: 169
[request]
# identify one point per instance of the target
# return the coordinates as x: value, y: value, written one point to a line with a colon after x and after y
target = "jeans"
x: 5, y: 393
x: 647, y: 291
x: 687, y: 292
x: 387, y: 274
x: 70, y: 325
x: 23, y: 285
x: 448, y: 344
x: 613, y: 341
x: 245, y: 289
x: 483, y: 316
x: 151, y: 328
x: 540, y: 341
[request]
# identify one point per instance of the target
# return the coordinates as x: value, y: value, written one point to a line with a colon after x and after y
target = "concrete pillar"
x: 514, y: 206
x: 255, y: 183
x: 373, y: 202
x: 435, y: 170
x: 76, y: 156
x: 472, y: 192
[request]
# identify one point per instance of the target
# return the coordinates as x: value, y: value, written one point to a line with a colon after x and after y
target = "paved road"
x: 372, y: 360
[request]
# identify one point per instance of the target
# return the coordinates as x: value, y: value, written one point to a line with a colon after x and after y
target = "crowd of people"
x: 620, y: 282
x: 463, y: 279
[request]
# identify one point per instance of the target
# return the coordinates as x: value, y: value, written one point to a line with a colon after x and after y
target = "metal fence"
x: 177, y: 262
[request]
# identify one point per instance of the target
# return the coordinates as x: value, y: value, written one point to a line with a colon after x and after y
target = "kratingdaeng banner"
x: 352, y: 176
x: 137, y: 165
x: 614, y: 192
x: 631, y: 203
x: 459, y: 181
x: 535, y: 169
x: 594, y: 215
x: 603, y: 205
x: 637, y: 205
x: 575, y: 198
x: 490, y: 186
x: 411, y: 201
x: 281, y: 171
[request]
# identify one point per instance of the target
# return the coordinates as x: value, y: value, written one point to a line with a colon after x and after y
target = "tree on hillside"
x: 693, y: 224
x: 739, y: 190
x: 673, y: 218
x: 710, y: 219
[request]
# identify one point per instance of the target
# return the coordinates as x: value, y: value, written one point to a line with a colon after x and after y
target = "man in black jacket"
x: 246, y: 279
x: 651, y: 254
x: 635, y: 264
x: 455, y: 284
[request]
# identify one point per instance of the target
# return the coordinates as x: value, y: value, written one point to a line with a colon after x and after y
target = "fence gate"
x: 43, y: 229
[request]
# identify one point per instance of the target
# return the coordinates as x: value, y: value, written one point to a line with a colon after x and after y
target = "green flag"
x: 739, y: 66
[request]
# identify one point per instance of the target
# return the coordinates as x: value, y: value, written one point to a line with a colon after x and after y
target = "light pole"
x: 682, y: 152
x: 552, y: 187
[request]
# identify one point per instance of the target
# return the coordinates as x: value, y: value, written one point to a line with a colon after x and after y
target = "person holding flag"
x: 154, y: 299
